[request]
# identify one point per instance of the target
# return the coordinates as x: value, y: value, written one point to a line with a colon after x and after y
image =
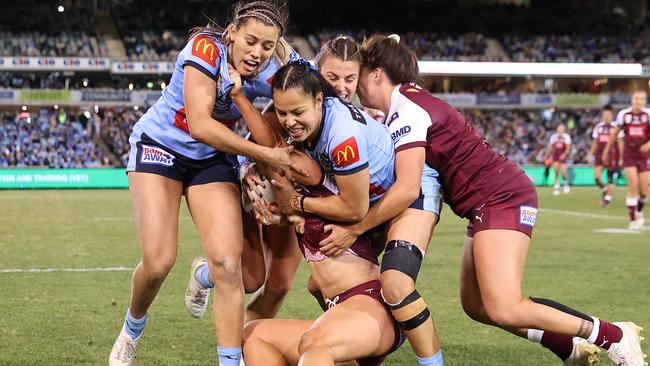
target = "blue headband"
x: 295, y: 59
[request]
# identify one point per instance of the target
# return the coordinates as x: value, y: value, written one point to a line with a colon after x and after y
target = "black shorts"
x: 148, y: 156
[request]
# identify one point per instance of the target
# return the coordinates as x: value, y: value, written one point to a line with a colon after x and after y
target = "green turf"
x: 72, y: 318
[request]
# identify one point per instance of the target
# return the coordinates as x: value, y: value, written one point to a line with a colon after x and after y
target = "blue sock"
x: 229, y: 356
x: 435, y: 360
x: 202, y: 275
x: 133, y: 326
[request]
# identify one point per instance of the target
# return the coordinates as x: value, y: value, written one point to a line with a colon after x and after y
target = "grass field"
x: 65, y: 318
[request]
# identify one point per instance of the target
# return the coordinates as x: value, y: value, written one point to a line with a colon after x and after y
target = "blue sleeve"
x: 202, y: 53
x: 348, y: 148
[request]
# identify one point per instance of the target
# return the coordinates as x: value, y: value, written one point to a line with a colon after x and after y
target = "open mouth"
x: 343, y: 96
x: 250, y: 65
x: 296, y: 133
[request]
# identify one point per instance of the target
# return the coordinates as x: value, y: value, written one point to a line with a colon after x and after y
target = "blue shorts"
x: 430, y: 198
x: 148, y: 156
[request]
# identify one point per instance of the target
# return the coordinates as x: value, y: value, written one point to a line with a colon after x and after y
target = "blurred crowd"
x: 53, y: 139
x: 523, y: 135
x: 37, y: 44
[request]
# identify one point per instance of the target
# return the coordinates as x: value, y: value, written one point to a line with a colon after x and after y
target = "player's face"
x: 298, y: 113
x: 343, y: 76
x: 368, y: 89
x: 608, y: 116
x: 639, y: 100
x: 560, y: 129
x: 253, y: 43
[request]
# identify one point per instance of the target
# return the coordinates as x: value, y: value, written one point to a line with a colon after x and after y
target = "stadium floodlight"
x: 24, y: 108
x: 529, y: 68
x: 60, y: 8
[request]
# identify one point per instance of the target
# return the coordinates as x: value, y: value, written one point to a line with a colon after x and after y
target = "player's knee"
x: 504, y: 314
x: 399, y: 270
x: 250, y: 335
x: 473, y: 308
x: 252, y: 282
x: 313, y: 338
x: 157, y: 268
x: 225, y: 269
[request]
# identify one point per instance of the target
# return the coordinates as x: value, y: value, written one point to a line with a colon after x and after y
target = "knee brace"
x: 402, y: 256
x: 410, y: 312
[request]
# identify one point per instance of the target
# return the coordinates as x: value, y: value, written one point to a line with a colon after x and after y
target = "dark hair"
x: 397, y: 60
x: 274, y: 13
x: 299, y: 74
x: 342, y: 47
x: 608, y: 107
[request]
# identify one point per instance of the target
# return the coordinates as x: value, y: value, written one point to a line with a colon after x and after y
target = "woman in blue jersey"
x: 179, y: 148
x: 357, y: 325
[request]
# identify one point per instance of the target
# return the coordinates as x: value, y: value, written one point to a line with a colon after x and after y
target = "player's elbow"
x: 197, y: 131
x: 356, y: 213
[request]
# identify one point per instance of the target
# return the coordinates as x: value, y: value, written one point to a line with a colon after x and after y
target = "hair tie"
x: 296, y: 60
x: 394, y: 37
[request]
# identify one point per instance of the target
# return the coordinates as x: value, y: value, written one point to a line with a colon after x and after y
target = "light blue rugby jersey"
x: 350, y: 141
x: 165, y: 121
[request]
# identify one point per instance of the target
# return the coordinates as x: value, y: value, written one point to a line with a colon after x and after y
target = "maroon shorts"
x: 513, y: 207
x: 611, y: 164
x: 640, y: 162
x: 372, y: 289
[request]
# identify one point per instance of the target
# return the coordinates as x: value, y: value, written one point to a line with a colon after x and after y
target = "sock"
x: 604, y: 334
x: 607, y: 198
x: 229, y: 356
x: 642, y: 202
x: 560, y: 344
x: 556, y: 186
x: 202, y: 275
x: 632, y: 206
x: 435, y: 360
x: 133, y: 326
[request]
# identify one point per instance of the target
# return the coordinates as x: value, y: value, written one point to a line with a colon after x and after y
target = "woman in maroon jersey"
x: 501, y: 204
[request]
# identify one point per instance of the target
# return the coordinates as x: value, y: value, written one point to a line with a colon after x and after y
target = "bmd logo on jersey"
x: 346, y: 153
x: 400, y: 133
x: 527, y: 215
x: 205, y: 49
x: 155, y: 155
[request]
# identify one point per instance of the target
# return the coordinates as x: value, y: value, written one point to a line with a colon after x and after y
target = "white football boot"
x: 196, y: 296
x: 123, y: 351
x: 566, y: 189
x: 583, y: 353
x: 627, y: 351
x: 640, y: 220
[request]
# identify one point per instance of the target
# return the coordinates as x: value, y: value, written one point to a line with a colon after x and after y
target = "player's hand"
x: 298, y: 222
x: 279, y: 159
x: 591, y: 159
x: 645, y: 147
x: 285, y: 192
x: 236, y: 90
x: 267, y: 214
x: 620, y: 162
x: 253, y: 184
x: 340, y: 239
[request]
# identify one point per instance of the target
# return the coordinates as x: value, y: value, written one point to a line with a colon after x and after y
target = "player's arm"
x: 199, y: 96
x: 592, y: 150
x: 613, y: 138
x: 621, y: 149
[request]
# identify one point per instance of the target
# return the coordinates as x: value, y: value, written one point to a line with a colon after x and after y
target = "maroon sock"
x: 632, y: 210
x: 641, y: 203
x: 560, y: 344
x: 608, y: 333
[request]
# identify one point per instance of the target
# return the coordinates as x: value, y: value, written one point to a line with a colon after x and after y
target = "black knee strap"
x: 411, y: 312
x: 402, y: 256
x: 610, y: 176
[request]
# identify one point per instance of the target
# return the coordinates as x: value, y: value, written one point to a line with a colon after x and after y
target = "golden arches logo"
x: 342, y: 155
x: 205, y: 49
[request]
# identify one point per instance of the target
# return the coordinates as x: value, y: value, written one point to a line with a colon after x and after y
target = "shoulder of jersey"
x: 205, y: 47
x: 646, y: 110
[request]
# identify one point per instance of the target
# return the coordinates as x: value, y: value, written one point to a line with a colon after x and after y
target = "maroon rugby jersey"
x: 637, y: 129
x: 602, y: 134
x: 470, y: 170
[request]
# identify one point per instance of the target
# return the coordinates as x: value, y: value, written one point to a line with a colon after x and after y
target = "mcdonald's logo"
x: 346, y: 153
x: 205, y: 49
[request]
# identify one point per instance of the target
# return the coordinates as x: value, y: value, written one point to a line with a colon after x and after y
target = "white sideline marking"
x: 617, y: 231
x: 47, y: 270
x: 584, y: 214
